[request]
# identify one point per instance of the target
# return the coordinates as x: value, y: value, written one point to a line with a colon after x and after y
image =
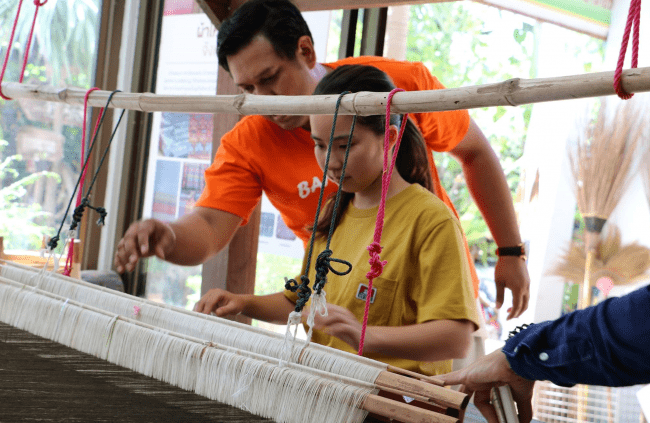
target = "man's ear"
x: 305, y: 51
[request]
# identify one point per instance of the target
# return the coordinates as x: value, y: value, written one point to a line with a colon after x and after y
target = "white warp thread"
x: 209, y: 328
x: 273, y: 392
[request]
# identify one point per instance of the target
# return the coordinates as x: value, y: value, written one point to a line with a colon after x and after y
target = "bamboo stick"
x: 403, y: 412
x: 512, y: 92
x: 75, y: 272
x: 440, y: 396
x: 431, y: 379
x: 372, y: 403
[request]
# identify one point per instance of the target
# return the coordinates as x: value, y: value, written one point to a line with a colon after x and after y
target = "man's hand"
x: 144, y: 238
x: 511, y: 272
x: 488, y: 372
x: 220, y: 302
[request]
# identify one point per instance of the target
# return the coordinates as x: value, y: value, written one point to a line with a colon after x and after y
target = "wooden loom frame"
x: 395, y: 382
x: 512, y: 92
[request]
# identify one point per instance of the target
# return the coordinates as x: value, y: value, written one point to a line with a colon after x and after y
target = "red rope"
x: 633, y: 17
x: 68, y: 262
x: 11, y: 42
x: 376, y: 264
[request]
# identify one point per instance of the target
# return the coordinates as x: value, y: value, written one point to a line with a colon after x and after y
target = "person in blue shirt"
x: 607, y: 345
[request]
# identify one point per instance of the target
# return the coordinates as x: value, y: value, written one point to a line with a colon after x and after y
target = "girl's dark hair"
x: 412, y: 161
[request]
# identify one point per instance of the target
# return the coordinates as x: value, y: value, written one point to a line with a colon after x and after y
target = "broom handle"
x: 583, y: 390
x: 586, y: 284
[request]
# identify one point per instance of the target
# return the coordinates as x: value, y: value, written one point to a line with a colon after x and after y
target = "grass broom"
x: 602, y: 157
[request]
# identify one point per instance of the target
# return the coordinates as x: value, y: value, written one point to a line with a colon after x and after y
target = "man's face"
x: 257, y: 69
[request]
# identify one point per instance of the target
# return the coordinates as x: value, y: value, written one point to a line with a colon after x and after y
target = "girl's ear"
x: 393, y: 131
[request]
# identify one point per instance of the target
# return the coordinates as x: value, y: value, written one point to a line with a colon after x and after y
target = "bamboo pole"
x: 512, y: 92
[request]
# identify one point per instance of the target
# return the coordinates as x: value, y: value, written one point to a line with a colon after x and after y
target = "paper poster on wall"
x: 275, y: 236
x: 187, y: 66
x: 166, y: 187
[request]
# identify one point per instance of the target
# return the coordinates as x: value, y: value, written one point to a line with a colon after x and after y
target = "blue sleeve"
x: 607, y: 345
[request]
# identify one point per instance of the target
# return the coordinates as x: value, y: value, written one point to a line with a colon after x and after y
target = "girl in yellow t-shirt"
x: 422, y: 310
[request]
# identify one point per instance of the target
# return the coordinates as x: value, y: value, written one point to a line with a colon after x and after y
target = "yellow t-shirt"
x: 426, y: 278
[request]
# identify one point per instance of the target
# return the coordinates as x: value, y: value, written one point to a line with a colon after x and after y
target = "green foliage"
x: 172, y: 284
x: 455, y: 41
x: 65, y: 34
x: 271, y: 271
x: 18, y: 220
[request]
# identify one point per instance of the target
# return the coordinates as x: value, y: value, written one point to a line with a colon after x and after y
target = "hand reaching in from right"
x: 221, y: 303
x: 144, y: 238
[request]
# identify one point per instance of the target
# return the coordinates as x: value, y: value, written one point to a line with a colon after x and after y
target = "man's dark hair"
x: 279, y: 21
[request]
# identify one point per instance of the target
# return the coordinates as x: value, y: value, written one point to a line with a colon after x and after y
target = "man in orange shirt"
x: 268, y: 50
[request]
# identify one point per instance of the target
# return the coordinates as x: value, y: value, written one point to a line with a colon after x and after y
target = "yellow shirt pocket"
x: 353, y: 297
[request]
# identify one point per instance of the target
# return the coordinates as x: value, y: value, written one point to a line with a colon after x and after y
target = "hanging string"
x: 633, y: 17
x: 325, y: 259
x: 376, y: 264
x: 11, y: 41
x: 84, y: 202
x: 303, y: 289
x: 68, y: 263
x: 323, y: 264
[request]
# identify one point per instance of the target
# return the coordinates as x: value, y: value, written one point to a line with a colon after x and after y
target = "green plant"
x: 19, y: 222
x: 66, y: 34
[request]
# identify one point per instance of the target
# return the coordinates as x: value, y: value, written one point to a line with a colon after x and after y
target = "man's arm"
x: 607, y: 345
x: 602, y: 345
x: 189, y: 241
x: 487, y: 185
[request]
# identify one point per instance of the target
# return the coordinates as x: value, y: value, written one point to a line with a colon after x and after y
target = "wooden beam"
x: 348, y: 33
x: 218, y: 10
x: 110, y: 35
x: 374, y: 31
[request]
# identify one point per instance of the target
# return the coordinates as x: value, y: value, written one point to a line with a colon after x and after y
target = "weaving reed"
x: 223, y: 360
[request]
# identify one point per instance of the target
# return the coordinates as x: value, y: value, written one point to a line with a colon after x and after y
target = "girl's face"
x: 365, y: 160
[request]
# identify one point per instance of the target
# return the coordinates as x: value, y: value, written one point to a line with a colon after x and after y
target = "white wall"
x: 548, y: 223
x: 632, y: 214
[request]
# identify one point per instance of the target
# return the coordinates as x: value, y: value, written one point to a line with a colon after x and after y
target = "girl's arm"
x: 273, y: 308
x: 430, y: 341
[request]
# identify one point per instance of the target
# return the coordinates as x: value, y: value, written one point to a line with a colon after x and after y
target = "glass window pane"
x: 181, y: 151
x: 40, y: 141
x: 181, y: 143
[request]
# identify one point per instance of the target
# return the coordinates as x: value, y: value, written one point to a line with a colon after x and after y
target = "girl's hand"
x: 341, y: 323
x: 220, y: 302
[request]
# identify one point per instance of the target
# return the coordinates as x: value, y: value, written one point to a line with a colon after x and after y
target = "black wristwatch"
x: 516, y: 251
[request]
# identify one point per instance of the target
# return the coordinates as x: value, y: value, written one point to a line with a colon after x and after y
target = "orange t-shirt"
x: 257, y: 155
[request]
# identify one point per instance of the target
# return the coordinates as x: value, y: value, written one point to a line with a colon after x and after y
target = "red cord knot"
x: 40, y: 3
x: 618, y: 87
x: 376, y: 263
